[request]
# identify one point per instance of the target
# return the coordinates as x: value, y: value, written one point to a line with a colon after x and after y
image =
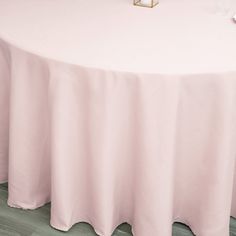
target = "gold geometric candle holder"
x: 146, y: 3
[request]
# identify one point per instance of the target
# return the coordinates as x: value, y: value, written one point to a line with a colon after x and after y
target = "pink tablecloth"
x: 117, y: 113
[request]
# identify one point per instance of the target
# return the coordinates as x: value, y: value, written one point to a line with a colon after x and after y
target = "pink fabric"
x: 108, y: 146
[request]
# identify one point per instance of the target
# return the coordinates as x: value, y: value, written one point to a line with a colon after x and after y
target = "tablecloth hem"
x: 24, y: 206
x: 98, y: 232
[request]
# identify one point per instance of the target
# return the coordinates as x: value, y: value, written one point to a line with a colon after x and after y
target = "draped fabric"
x: 117, y: 113
x: 110, y: 147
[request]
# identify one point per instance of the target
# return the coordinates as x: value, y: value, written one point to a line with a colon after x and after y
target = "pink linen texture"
x: 107, y: 147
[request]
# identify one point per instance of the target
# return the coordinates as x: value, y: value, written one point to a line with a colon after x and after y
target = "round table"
x: 118, y: 113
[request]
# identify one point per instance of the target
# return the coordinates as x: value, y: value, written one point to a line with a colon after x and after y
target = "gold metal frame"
x: 139, y: 3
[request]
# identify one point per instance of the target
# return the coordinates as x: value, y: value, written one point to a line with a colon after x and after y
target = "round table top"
x: 177, y: 36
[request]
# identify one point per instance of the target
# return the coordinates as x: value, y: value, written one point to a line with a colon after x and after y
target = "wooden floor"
x: 16, y: 222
